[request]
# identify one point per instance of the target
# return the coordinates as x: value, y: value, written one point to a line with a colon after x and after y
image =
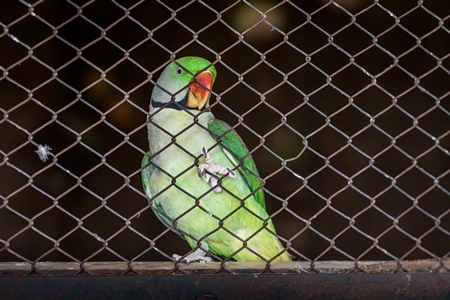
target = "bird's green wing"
x: 237, y: 152
x: 147, y: 169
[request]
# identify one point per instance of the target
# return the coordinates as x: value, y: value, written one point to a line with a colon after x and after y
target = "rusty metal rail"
x: 231, y: 267
x: 420, y: 279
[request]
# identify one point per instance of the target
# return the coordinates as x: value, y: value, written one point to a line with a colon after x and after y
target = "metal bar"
x: 291, y: 286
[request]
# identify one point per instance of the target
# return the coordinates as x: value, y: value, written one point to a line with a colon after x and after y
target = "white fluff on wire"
x: 43, y: 152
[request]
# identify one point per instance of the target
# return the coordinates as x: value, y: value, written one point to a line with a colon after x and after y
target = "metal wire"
x: 342, y: 104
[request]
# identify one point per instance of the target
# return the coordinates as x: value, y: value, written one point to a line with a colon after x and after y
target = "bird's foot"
x: 209, y: 171
x: 197, y: 255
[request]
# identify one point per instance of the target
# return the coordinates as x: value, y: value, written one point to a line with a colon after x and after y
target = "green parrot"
x: 199, y: 176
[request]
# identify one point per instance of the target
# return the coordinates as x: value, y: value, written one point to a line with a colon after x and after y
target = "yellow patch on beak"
x: 200, y: 90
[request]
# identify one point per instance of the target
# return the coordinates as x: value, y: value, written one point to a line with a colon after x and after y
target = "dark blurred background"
x: 367, y: 90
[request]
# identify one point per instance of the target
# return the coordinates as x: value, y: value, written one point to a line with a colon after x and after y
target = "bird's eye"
x: 179, y: 71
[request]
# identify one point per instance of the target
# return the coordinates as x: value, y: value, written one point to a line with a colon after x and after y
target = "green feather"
x: 238, y: 153
x: 147, y: 171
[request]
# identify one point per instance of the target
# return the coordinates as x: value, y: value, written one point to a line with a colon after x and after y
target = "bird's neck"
x: 174, y: 132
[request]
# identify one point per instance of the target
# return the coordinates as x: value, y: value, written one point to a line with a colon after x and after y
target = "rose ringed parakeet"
x: 200, y: 179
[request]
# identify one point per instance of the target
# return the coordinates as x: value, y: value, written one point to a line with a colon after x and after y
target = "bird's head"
x: 185, y: 83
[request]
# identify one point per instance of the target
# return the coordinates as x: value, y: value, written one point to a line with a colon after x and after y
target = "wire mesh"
x: 344, y: 106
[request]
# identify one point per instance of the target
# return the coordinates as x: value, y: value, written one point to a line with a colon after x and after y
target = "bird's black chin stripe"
x: 181, y: 105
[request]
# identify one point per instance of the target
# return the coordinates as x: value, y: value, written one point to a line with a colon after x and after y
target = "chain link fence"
x: 344, y: 106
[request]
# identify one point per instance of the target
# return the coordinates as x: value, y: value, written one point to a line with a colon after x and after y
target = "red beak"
x: 200, y: 90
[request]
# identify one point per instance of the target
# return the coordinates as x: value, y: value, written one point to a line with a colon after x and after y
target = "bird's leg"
x: 198, y: 255
x: 209, y: 170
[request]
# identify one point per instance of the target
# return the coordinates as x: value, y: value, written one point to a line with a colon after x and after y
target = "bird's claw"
x: 197, y: 255
x: 209, y: 171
